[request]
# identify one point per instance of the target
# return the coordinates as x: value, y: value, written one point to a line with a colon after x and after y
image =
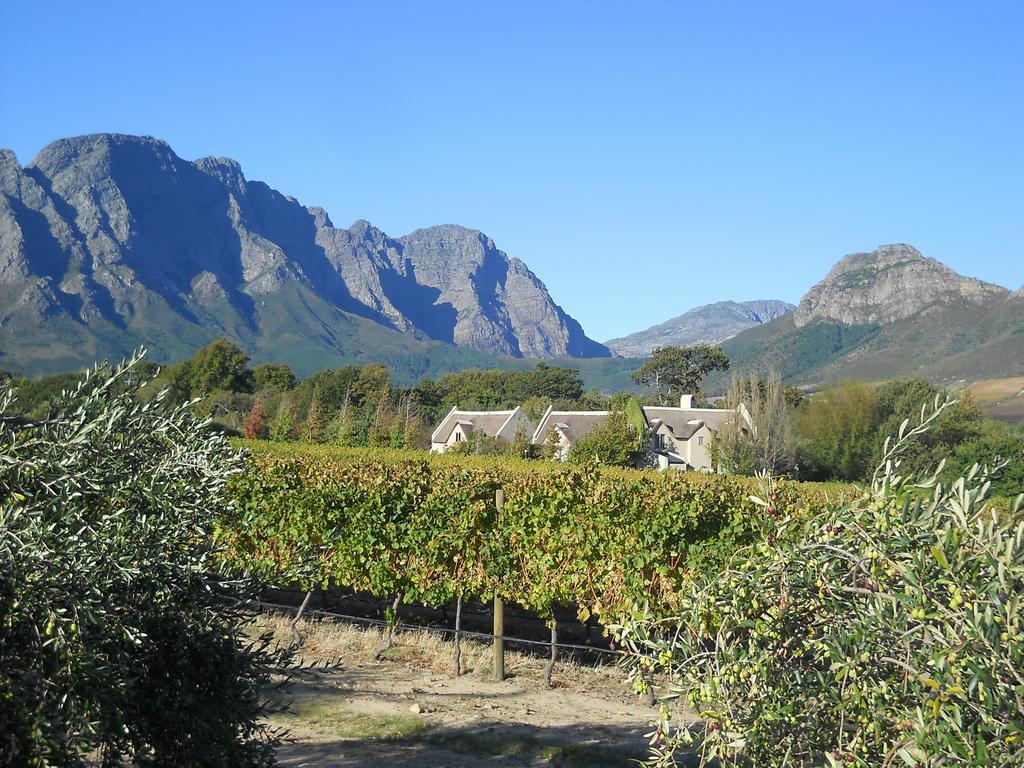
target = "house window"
x: 700, y: 440
x: 458, y: 437
x: 659, y: 441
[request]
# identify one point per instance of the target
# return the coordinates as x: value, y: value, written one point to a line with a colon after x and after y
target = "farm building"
x: 462, y: 426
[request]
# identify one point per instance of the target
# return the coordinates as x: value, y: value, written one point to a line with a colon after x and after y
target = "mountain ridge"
x: 118, y: 241
x: 706, y: 324
x: 885, y: 314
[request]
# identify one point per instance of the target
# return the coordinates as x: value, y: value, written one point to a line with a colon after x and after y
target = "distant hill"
x: 886, y: 314
x: 709, y: 324
x: 111, y: 241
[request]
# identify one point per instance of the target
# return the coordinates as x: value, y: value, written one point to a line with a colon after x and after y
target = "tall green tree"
x: 961, y: 422
x: 273, y: 376
x: 220, y: 366
x: 675, y: 371
x: 315, y: 420
x: 837, y: 431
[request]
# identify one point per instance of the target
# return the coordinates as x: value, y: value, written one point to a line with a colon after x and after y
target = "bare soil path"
x: 408, y: 709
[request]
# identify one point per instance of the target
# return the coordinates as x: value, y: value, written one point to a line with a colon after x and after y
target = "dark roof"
x: 684, y: 422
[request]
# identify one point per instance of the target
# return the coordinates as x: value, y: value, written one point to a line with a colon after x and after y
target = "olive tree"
x: 889, y: 631
x: 119, y: 641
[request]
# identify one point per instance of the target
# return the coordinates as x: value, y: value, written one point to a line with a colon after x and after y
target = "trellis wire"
x: 440, y: 630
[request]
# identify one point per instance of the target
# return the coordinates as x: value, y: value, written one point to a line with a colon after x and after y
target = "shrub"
x: 888, y: 631
x: 614, y: 441
x: 117, y: 642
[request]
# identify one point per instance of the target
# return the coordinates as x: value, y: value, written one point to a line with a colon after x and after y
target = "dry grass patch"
x: 990, y: 390
x: 330, y: 640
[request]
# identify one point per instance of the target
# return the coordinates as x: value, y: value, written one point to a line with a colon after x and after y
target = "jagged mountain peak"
x: 225, y: 169
x: 120, y: 229
x: 888, y: 284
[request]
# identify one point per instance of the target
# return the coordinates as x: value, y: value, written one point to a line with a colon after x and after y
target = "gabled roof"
x: 685, y: 422
x: 572, y: 424
x: 489, y: 423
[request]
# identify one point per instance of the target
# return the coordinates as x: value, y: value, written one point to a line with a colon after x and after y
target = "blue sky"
x: 640, y: 158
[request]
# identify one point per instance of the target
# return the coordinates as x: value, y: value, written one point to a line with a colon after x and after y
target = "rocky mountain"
x: 889, y: 284
x: 110, y: 241
x: 709, y: 324
x: 889, y: 313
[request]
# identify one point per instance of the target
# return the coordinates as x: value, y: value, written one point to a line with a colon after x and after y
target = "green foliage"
x: 675, y: 371
x: 426, y: 527
x: 220, y: 365
x: 837, y: 432
x: 889, y: 631
x: 283, y: 426
x: 119, y: 643
x: 997, y: 447
x: 959, y: 423
x: 842, y: 429
x: 496, y: 389
x: 313, y: 431
x: 273, y: 376
x: 35, y: 397
x: 616, y: 441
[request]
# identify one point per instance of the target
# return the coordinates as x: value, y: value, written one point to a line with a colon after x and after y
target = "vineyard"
x: 428, y: 529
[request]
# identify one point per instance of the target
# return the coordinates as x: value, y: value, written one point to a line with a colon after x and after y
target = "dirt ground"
x: 408, y: 709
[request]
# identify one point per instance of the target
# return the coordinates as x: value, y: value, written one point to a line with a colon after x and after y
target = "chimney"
x: 686, y: 401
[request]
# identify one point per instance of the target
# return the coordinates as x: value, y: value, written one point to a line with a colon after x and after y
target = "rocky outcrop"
x: 496, y: 302
x: 709, y: 324
x: 891, y: 283
x: 887, y: 314
x: 118, y: 229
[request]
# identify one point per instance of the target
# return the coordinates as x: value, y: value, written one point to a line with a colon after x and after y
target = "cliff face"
x: 116, y: 236
x: 891, y: 283
x: 709, y: 324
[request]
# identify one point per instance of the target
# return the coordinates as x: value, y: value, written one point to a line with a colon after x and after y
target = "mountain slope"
x: 109, y: 241
x: 890, y: 313
x: 709, y: 324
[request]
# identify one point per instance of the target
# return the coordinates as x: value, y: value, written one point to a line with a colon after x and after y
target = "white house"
x: 461, y: 426
x: 681, y: 437
x: 567, y: 427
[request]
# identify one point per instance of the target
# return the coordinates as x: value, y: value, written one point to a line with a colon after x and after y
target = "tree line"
x: 836, y: 433
x: 839, y: 432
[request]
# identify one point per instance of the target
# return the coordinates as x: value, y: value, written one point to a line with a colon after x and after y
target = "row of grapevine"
x: 428, y: 529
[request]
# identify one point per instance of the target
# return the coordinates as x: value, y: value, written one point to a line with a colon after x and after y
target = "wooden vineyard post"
x: 296, y: 635
x: 499, y: 612
x: 458, y: 637
x: 554, y: 650
x: 389, y: 633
